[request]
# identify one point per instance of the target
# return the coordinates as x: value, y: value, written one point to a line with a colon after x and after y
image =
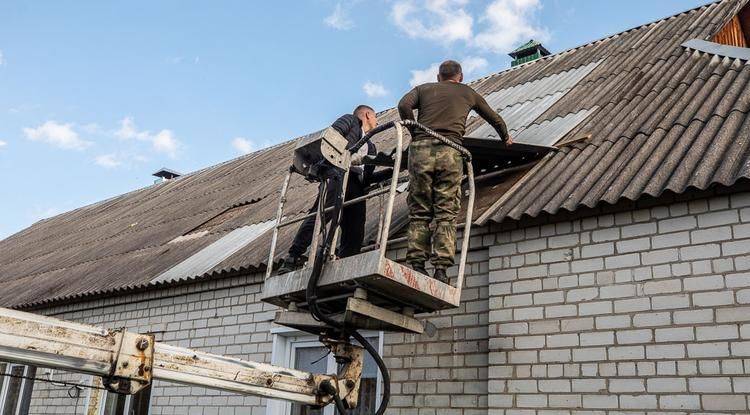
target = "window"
x: 304, y: 352
x: 15, y: 392
x: 117, y: 404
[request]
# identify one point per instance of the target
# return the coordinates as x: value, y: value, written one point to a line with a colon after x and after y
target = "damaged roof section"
x: 521, y: 104
x: 633, y: 114
x: 212, y: 255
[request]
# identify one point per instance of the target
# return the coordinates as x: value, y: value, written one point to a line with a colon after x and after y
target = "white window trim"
x: 6, y: 385
x: 285, y: 340
x: 103, y: 399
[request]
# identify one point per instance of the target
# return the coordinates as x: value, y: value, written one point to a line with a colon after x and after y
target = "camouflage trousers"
x: 435, y: 172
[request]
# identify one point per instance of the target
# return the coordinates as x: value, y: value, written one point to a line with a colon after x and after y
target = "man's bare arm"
x: 493, y: 118
x: 408, y: 103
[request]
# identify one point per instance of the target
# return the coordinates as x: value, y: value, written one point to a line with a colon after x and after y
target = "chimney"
x: 165, y: 174
x: 529, y: 51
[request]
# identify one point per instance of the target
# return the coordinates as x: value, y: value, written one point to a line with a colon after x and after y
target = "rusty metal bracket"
x: 349, y: 378
x: 131, y: 364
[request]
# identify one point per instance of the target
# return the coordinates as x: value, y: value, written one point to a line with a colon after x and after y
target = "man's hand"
x: 509, y: 140
x: 381, y: 159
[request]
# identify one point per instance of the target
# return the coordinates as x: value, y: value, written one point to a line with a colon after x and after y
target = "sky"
x: 96, y: 96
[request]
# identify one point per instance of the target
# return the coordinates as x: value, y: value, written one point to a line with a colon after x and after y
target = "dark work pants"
x: 352, y: 222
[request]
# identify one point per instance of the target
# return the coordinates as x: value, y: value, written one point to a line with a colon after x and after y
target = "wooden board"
x: 732, y: 34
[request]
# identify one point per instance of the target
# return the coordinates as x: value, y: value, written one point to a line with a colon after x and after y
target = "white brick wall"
x: 447, y: 373
x: 638, y: 311
x: 641, y: 311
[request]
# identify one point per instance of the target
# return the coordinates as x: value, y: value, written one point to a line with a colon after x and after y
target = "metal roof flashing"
x: 718, y: 49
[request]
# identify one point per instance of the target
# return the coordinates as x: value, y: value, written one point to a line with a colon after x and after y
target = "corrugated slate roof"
x: 667, y: 120
x: 637, y: 112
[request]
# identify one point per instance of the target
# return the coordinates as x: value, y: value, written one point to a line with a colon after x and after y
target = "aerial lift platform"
x: 369, y: 290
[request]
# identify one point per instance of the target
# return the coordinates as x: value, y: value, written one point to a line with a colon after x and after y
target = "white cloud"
x: 503, y: 26
x: 2, y: 59
x: 374, y: 89
x: 442, y: 21
x: 129, y: 130
x: 165, y: 142
x: 243, y: 145
x: 108, y: 161
x: 423, y: 76
x: 3, y: 143
x: 339, y: 19
x: 162, y: 142
x: 471, y: 65
x: 58, y: 135
x: 509, y: 23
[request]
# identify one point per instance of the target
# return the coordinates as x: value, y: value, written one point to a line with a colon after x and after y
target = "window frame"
x: 96, y: 383
x: 23, y: 389
x: 106, y: 394
x: 286, y: 341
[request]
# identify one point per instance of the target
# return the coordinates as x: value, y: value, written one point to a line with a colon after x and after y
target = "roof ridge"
x: 607, y: 37
x: 152, y: 185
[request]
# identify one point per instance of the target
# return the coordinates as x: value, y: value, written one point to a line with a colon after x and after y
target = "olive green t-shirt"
x: 444, y: 106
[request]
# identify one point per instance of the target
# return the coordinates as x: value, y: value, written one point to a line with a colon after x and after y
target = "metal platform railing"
x: 385, y: 215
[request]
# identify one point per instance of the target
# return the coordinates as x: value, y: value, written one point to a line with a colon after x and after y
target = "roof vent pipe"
x: 165, y: 174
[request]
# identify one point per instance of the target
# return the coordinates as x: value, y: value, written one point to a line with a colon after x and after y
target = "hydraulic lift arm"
x: 128, y: 361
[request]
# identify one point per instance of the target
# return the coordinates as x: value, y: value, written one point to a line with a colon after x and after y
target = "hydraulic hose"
x: 324, y: 248
x: 311, y: 292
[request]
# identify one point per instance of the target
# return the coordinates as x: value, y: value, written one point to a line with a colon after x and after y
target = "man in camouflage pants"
x: 435, y: 169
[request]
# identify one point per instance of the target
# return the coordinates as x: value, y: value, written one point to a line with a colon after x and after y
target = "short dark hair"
x: 362, y: 108
x: 449, y: 69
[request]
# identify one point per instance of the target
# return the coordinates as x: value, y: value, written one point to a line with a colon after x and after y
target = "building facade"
x: 610, y: 276
x: 637, y: 308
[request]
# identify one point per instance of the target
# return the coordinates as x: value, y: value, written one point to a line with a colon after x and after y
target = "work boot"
x: 291, y: 263
x: 419, y: 267
x: 441, y: 275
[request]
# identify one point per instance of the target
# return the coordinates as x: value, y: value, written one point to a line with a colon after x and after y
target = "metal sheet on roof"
x: 718, y: 49
x: 539, y: 88
x: 551, y: 131
x: 545, y: 133
x: 518, y: 116
x: 212, y: 255
x: 521, y: 105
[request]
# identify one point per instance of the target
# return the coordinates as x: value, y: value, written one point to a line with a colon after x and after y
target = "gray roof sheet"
x: 634, y: 114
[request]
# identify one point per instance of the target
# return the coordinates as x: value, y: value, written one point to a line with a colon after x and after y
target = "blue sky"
x: 95, y: 96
